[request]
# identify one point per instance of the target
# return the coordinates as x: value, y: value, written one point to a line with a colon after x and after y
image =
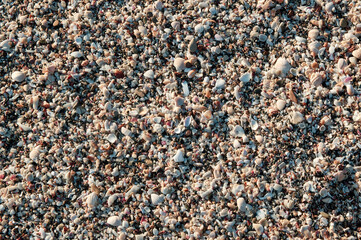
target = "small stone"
x: 313, y: 34
x: 343, y: 23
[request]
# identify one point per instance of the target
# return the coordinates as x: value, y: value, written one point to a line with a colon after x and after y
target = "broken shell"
x: 296, y: 117
x: 238, y: 131
x: 316, y: 79
x: 357, y: 53
x: 313, y: 34
x: 179, y: 64
x: 92, y: 200
x: 259, y: 228
x: 156, y: 199
x: 280, y: 104
x: 245, y: 77
x: 282, y: 66
x: 179, y: 156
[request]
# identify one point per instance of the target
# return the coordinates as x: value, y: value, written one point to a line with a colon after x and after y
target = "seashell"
x: 179, y: 64
x: 199, y: 108
x: 288, y: 203
x: 158, y: 5
x: 218, y: 37
x: 282, y: 66
x: 349, y: 89
x: 192, y: 47
x: 77, y: 54
x: 241, y: 204
x: 92, y: 200
x: 125, y: 131
x: 280, y: 104
x: 78, y: 41
x: 262, y: 38
x: 34, y: 154
x: 246, y: 77
x: 236, y: 188
x: 323, y: 192
x: 18, y: 76
x: 149, y: 74
x: 313, y: 34
x: 254, y: 125
x: 178, y: 157
x: 314, y: 47
x: 357, y: 53
x: 259, y: 228
x: 5, y: 45
x: 112, y: 138
x: 236, y: 144
x: 112, y: 199
x: 300, y: 39
x: 187, y: 121
x: 156, y: 199
x: 176, y: 25
x: 179, y: 101
x: 158, y: 128
x: 191, y: 73
x: 259, y: 138
x: 277, y: 187
x: 238, y: 131
x: 236, y: 93
x: 208, y: 114
x: 185, y: 89
x: 329, y: 7
x: 118, y: 73
x: 341, y: 64
x: 134, y: 189
x: 199, y: 28
x: 296, y: 117
x: 35, y: 102
x: 308, y: 187
x: 220, y: 83
x: 326, y: 120
x: 316, y: 79
x: 114, y: 221
x: 143, y: 30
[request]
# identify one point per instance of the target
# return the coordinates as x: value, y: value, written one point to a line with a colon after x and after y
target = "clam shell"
x: 316, y: 79
x: 18, y: 76
x: 114, y: 221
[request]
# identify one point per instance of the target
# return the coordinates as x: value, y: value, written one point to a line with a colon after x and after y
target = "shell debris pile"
x: 196, y: 119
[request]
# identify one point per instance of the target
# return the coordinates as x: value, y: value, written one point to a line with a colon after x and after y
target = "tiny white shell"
x: 114, y: 221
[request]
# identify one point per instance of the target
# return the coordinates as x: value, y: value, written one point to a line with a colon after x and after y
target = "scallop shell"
x: 316, y: 79
x: 156, y: 199
x: 18, y: 76
x: 179, y: 64
x: 114, y: 221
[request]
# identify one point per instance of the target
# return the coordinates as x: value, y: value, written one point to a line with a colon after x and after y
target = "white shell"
x: 220, y: 83
x: 236, y: 144
x: 313, y: 34
x: 314, y: 47
x: 143, y: 30
x: 316, y: 79
x: 341, y: 64
x: 156, y: 199
x: 112, y: 138
x: 76, y: 54
x: 34, y: 154
x: 246, y: 77
x: 114, y: 221
x: 179, y: 64
x: 280, y: 104
x: 158, y: 5
x: 282, y: 65
x: 18, y: 76
x: 259, y: 228
x: 199, y: 28
x: 149, y: 74
x: 238, y: 131
x: 187, y: 121
x: 112, y: 199
x: 241, y: 204
x: 5, y: 45
x: 178, y: 157
x: 254, y: 125
x: 185, y: 89
x: 92, y: 200
x: 357, y: 53
x: 296, y: 117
